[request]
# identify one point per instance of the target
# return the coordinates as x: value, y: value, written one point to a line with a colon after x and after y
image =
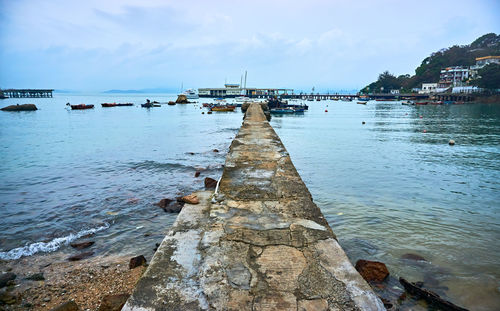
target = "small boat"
x: 116, y: 105
x: 407, y: 103
x: 108, y: 104
x: 282, y: 110
x: 190, y: 94
x: 222, y: 108
x: 81, y: 106
x: 364, y: 98
x: 242, y: 99
x: 124, y: 104
x: 362, y: 103
x: 150, y: 105
x: 421, y: 103
x: 206, y: 105
x: 436, y: 103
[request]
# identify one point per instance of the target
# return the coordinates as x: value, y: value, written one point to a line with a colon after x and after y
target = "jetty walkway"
x: 258, y: 243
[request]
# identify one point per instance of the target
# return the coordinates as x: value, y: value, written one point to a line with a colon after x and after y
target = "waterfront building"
x: 235, y: 90
x: 428, y: 88
x: 394, y: 92
x: 453, y: 76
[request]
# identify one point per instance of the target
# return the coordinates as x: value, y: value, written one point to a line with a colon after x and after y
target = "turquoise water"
x: 386, y: 187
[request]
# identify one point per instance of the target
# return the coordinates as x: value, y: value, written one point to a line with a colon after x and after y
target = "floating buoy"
x: 326, y: 110
x: 451, y: 142
x: 421, y: 117
x: 425, y: 131
x: 363, y: 122
x: 203, y: 112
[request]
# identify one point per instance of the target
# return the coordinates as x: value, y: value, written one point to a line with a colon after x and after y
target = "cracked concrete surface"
x: 259, y: 244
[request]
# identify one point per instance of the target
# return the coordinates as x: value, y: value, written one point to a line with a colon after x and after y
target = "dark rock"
x: 182, y: 99
x: 67, y: 306
x: 210, y: 183
x: 26, y: 107
x: 80, y: 256
x: 190, y: 199
x: 174, y: 208
x: 415, y: 257
x: 164, y: 203
x: 113, y: 302
x: 7, y: 298
x: 5, y: 278
x: 36, y: 277
x: 197, y: 174
x: 136, y: 262
x: 191, y: 153
x: 216, y: 150
x: 147, y: 234
x: 387, y: 303
x: 372, y: 271
x: 82, y: 245
x: 156, y: 246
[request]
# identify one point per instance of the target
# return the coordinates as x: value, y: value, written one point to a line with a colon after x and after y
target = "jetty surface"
x: 258, y: 243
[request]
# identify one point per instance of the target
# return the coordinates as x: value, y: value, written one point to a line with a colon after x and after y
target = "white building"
x: 428, y: 88
x: 453, y: 76
x: 394, y: 91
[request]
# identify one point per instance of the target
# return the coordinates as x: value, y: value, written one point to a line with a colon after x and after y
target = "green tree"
x: 489, y: 77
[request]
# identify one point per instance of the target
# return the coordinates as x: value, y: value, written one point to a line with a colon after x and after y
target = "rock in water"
x: 372, y: 271
x: 190, y: 199
x: 82, y: 245
x: 5, y: 278
x: 164, y: 203
x: 7, y: 298
x: 80, y: 256
x: 215, y: 150
x: 182, y: 99
x: 197, y: 174
x: 26, y: 107
x: 67, y: 306
x: 136, y: 262
x: 36, y: 277
x: 210, y: 183
x: 113, y: 302
x: 415, y: 257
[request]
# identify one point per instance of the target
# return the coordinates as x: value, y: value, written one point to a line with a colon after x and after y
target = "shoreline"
x: 57, y: 281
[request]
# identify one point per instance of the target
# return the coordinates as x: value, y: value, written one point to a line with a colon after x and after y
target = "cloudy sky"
x: 96, y: 45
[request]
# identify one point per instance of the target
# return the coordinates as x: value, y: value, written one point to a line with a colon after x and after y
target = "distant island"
x: 466, y: 67
x: 143, y: 91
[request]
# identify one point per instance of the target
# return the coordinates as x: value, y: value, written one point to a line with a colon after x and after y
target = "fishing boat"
x: 362, y: 103
x: 150, y: 105
x: 81, y: 106
x: 222, y: 108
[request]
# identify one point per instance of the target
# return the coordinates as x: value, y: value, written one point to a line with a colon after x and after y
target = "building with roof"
x: 481, y: 62
x: 453, y: 76
x: 235, y: 90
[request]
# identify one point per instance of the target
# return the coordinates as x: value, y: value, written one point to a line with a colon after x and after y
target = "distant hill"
x: 143, y: 91
x: 430, y: 68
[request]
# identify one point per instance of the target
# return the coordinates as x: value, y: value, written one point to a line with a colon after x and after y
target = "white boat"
x: 242, y: 99
x: 190, y: 94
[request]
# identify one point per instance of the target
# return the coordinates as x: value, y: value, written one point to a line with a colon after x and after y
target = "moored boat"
x: 282, y: 110
x: 81, y: 106
x: 108, y: 105
x: 361, y: 103
x: 421, y: 103
x: 222, y: 108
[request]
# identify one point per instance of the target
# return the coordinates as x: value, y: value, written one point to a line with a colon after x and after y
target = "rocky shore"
x: 48, y: 281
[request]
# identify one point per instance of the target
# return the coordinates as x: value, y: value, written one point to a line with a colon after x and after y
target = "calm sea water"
x: 386, y: 187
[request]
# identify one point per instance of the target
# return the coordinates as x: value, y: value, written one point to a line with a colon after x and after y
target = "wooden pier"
x: 27, y: 93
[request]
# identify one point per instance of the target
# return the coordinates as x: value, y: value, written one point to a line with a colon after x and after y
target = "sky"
x: 97, y: 45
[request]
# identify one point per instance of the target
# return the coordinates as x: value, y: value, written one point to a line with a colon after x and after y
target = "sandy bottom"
x: 86, y: 282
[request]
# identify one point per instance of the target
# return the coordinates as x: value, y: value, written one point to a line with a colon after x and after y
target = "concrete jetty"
x: 258, y: 243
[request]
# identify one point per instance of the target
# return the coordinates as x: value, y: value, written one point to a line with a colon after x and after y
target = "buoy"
x: 425, y: 131
x: 421, y: 117
x: 326, y: 110
x: 203, y: 112
x: 451, y: 142
x: 363, y: 122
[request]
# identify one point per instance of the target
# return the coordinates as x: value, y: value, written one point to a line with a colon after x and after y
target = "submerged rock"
x: 210, y: 183
x: 82, y: 245
x: 6, y: 278
x: 113, y: 302
x: 410, y: 256
x: 372, y: 271
x: 36, y: 277
x: 67, y: 306
x: 25, y: 107
x: 136, y: 261
x: 164, y: 203
x: 80, y: 256
x: 182, y: 99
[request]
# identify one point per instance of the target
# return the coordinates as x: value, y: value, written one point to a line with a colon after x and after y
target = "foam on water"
x: 51, y: 246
